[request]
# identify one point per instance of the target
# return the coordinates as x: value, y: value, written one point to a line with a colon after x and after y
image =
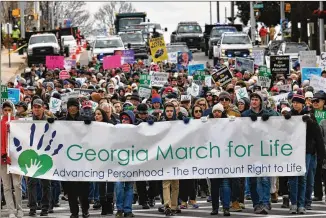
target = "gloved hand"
x: 287, y: 116
x: 150, y: 122
x: 5, y: 159
x: 253, y: 117
x: 87, y: 122
x: 265, y: 117
x: 186, y: 120
x: 50, y: 120
x: 306, y: 118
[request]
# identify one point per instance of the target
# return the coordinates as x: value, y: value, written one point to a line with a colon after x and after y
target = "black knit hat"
x: 135, y: 96
x: 72, y: 102
x: 142, y: 108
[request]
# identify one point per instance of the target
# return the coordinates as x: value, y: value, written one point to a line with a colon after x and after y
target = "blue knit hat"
x: 156, y: 98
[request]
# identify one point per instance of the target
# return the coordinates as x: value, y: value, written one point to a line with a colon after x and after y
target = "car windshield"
x: 42, y: 39
x: 176, y: 48
x: 192, y: 28
x: 123, y: 23
x: 154, y: 25
x: 296, y: 48
x: 132, y: 37
x: 110, y: 43
x: 217, y: 32
x: 236, y: 39
x: 69, y: 38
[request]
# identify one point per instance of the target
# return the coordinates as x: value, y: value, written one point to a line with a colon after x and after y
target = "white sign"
x: 280, y: 97
x: 286, y: 87
x: 264, y: 81
x: 81, y: 80
x: 94, y: 105
x: 241, y: 93
x: 308, y: 59
x: 268, y: 61
x: 164, y: 151
x: 194, y: 91
x: 185, y: 98
x: 322, y: 60
x: 318, y: 83
x: 66, y: 96
x: 258, y: 56
x: 173, y: 57
x: 159, y: 79
x: 69, y: 63
x: 208, y: 80
x: 144, y: 92
x: 54, y: 105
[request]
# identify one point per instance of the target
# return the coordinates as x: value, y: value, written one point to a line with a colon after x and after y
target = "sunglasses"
x: 125, y: 118
x: 7, y: 110
x: 208, y: 95
x: 315, y: 101
x: 197, y: 111
x: 224, y: 99
x: 202, y: 104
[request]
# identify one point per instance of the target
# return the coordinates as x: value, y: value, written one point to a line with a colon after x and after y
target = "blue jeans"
x: 94, y: 193
x: 56, y: 190
x: 301, y: 187
x: 124, y: 196
x: 221, y: 188
x: 24, y: 186
x: 260, y: 190
x: 247, y: 187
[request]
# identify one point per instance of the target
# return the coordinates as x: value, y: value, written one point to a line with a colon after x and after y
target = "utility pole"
x: 22, y: 18
x: 252, y: 22
x: 52, y: 16
x: 217, y: 11
x: 226, y: 16
x: 232, y: 12
x: 8, y: 31
x: 282, y: 7
x: 210, y: 12
x: 321, y: 29
x: 38, y: 12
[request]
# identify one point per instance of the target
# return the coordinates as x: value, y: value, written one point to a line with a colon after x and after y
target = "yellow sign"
x: 16, y: 12
x: 158, y: 49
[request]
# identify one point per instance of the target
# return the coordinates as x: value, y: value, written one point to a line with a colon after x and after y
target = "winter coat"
x: 4, y: 135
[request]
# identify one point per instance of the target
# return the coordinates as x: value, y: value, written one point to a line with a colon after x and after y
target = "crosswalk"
x: 319, y: 211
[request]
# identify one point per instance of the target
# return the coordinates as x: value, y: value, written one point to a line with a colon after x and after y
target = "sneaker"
x: 274, y: 197
x: 85, y: 215
x: 302, y: 210
x: 64, y: 198
x: 286, y: 202
x: 56, y: 204
x: 168, y: 212
x: 242, y: 205
x: 97, y: 205
x: 119, y: 213
x: 202, y: 194
x: 258, y: 209
x: 129, y: 215
x: 248, y: 197
x: 161, y: 209
x: 32, y: 213
x: 264, y: 210
x: 308, y: 207
x: 235, y: 207
x: 293, y: 209
x: 269, y: 206
x: 44, y: 213
x: 183, y: 205
x: 209, y: 199
x: 176, y: 210
x: 194, y: 204
x: 214, y: 212
x: 145, y: 206
x: 226, y: 212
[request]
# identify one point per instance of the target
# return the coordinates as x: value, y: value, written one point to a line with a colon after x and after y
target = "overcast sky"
x: 168, y: 14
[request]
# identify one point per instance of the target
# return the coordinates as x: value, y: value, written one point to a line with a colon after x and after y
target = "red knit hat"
x: 298, y: 98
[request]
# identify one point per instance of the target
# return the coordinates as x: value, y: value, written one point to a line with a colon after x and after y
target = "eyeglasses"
x: 208, y: 95
x: 125, y: 119
x: 197, y: 111
x: 202, y: 104
x: 224, y: 99
x: 7, y: 110
x: 315, y: 101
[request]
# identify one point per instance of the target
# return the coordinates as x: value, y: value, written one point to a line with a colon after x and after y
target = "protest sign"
x: 64, y: 75
x: 280, y: 97
x: 268, y: 61
x: 318, y: 83
x: 171, y: 150
x: 286, y: 87
x: 54, y: 104
x: 128, y: 57
x: 4, y: 93
x: 264, y: 81
x: 199, y: 75
x: 110, y: 62
x: 14, y: 95
x: 126, y: 68
x: 264, y: 71
x: 81, y: 80
x: 173, y: 57
x: 241, y: 93
x: 68, y: 64
x: 194, y: 91
x: 245, y: 64
x: 94, y: 105
x: 308, y: 58
x: 208, y: 80
x: 322, y: 60
x: 320, y: 115
x: 222, y: 75
x: 185, y: 98
x: 145, y: 79
x: 306, y: 72
x: 85, y: 92
x: 158, y: 49
x: 183, y: 60
x: 52, y: 62
x: 258, y: 56
x: 195, y: 67
x: 159, y: 79
x: 66, y: 96
x: 280, y: 64
x: 144, y: 92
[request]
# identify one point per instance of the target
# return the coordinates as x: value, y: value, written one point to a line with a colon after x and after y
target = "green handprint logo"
x: 55, y: 103
x: 242, y: 93
x: 29, y: 161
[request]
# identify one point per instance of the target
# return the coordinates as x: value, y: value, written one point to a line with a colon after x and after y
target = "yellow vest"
x: 15, y: 34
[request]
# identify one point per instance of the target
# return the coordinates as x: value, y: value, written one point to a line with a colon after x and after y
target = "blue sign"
x: 13, y: 95
x: 306, y: 72
x: 195, y: 67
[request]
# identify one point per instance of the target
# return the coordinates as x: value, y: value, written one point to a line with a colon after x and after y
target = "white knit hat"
x: 309, y: 95
x: 218, y: 107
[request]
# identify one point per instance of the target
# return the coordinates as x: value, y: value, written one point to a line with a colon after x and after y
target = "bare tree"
x: 106, y: 14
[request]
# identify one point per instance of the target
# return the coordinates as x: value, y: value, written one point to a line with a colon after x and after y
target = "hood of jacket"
x: 130, y: 114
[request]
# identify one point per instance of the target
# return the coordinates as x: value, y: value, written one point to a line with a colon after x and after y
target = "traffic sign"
x: 258, y: 6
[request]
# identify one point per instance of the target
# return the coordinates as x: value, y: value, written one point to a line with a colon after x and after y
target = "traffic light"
x: 320, y: 14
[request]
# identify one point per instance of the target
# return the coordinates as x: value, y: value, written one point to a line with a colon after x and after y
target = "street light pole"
x: 282, y: 16
x: 252, y: 21
x: 217, y: 11
x: 321, y: 30
x: 210, y: 11
x: 22, y: 18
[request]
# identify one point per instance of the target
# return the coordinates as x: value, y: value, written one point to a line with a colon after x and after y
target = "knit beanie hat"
x: 72, y: 102
x: 224, y: 95
x: 156, y: 98
x: 218, y: 107
x: 298, y: 98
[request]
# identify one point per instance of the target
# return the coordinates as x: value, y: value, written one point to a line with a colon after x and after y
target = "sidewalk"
x: 18, y: 63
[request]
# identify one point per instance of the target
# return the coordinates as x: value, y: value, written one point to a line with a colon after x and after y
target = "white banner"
x: 318, y: 83
x: 73, y: 151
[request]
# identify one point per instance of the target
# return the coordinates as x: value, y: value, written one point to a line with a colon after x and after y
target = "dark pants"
x: 144, y: 194
x: 318, y: 187
x: 106, y: 190
x: 32, y: 193
x: 64, y: 187
x: 223, y: 186
x: 235, y: 189
x: 242, y: 189
x: 203, y: 185
x: 324, y: 178
x: 56, y: 190
x: 78, y: 190
x: 283, y: 186
x: 187, y: 188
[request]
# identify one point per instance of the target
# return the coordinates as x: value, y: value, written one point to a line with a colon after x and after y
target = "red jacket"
x: 4, y: 135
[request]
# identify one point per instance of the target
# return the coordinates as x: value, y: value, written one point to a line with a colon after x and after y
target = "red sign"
x: 52, y: 62
x: 64, y: 74
x: 126, y: 68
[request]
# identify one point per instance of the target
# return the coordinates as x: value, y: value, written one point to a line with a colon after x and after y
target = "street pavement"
x: 203, y: 211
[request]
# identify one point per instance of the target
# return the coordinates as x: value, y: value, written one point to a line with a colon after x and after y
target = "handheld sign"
x: 52, y: 62
x: 64, y: 75
x: 110, y: 62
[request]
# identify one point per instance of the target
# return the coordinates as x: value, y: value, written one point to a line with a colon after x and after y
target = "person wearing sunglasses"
x: 209, y: 99
x: 230, y: 109
x: 318, y: 101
